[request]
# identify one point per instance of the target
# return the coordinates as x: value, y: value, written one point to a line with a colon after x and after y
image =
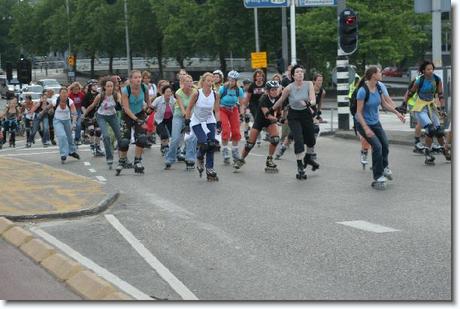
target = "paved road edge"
x: 79, y: 279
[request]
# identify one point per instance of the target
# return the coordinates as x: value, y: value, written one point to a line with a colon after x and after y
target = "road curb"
x: 100, y: 207
x: 352, y: 136
x: 82, y: 281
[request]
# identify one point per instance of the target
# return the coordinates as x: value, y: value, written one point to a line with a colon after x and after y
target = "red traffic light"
x: 350, y: 20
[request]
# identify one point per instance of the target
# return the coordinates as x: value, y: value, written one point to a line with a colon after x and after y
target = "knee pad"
x: 213, y: 145
x: 248, y: 146
x: 203, y: 147
x: 274, y: 140
x: 439, y: 132
x: 124, y: 144
x: 430, y: 130
x: 316, y: 129
x: 98, y: 132
x: 141, y: 141
x: 91, y: 132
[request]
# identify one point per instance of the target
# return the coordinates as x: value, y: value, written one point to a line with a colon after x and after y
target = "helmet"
x: 91, y: 82
x: 220, y: 73
x: 272, y: 84
x: 246, y: 82
x: 233, y: 74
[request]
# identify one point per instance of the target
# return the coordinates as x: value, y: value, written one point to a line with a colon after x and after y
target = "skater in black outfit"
x: 265, y: 118
x: 301, y: 96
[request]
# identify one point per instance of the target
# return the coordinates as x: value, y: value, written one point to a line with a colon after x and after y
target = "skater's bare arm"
x: 216, y: 108
x: 191, y: 105
x: 283, y: 97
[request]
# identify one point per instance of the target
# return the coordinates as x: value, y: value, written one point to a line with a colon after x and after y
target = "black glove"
x: 186, y: 128
x: 219, y: 127
x: 282, y: 120
x: 241, y: 118
x: 140, y: 122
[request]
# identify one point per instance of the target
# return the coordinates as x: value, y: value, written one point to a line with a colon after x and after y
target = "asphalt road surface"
x: 258, y: 236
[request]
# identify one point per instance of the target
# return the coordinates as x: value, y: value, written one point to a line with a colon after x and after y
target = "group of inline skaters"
x: 188, y: 117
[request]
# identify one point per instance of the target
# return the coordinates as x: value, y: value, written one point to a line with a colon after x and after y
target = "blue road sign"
x: 251, y: 4
x: 316, y: 2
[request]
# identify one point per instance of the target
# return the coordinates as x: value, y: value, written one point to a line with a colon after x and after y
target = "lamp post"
x: 128, y: 53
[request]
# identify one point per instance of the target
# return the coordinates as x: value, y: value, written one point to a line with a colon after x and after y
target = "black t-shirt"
x: 88, y: 100
x: 286, y: 81
x: 256, y: 92
x: 264, y: 101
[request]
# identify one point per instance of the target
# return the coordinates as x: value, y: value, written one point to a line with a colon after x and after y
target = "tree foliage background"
x: 390, y: 33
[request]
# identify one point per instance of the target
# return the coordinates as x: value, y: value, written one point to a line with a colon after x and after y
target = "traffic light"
x: 348, y: 31
x: 24, y: 71
x: 9, y: 71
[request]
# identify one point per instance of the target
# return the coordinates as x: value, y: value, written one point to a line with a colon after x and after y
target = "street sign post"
x: 259, y: 60
x: 252, y: 4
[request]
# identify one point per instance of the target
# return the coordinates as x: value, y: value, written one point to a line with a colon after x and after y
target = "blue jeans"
x: 114, y: 123
x: 380, y: 150
x: 78, y: 126
x: 176, y: 139
x: 204, y: 139
x: 36, y: 126
x: 63, y: 131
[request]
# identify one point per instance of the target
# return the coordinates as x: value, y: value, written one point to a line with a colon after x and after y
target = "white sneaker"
x: 382, y: 179
x: 387, y: 173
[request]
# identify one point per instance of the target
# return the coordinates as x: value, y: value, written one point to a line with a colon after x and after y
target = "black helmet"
x: 91, y: 82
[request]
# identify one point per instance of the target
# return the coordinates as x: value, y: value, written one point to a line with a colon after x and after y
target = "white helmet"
x: 220, y: 73
x: 233, y: 74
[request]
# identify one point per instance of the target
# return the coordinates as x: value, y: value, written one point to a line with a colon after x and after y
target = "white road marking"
x: 104, y: 273
x: 173, y: 282
x: 100, y: 178
x: 86, y: 163
x: 368, y: 226
x: 92, y: 170
x: 257, y: 155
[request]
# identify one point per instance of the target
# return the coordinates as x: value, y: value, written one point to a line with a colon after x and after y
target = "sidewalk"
x: 27, y: 280
x: 37, y: 191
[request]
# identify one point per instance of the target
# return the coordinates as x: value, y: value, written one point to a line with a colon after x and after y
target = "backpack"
x: 115, y: 97
x: 354, y: 101
x: 58, y: 100
x: 144, y: 90
x: 422, y: 79
x: 224, y: 92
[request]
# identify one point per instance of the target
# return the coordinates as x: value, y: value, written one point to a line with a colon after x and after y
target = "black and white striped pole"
x: 342, y: 91
x: 347, y: 45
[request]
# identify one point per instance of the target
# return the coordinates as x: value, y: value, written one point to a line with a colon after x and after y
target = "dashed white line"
x: 368, y: 226
x: 92, y: 170
x: 173, y: 282
x: 104, y: 273
x: 86, y: 163
x: 100, y: 178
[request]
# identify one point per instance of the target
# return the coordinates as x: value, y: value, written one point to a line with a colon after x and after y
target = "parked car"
x: 50, y: 84
x: 32, y: 88
x: 392, y: 72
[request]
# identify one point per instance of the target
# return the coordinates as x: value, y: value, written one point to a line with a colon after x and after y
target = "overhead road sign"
x: 309, y: 3
x: 424, y: 6
x: 252, y: 4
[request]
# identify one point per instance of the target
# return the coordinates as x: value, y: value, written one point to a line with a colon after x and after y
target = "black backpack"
x: 144, y: 90
x: 354, y: 101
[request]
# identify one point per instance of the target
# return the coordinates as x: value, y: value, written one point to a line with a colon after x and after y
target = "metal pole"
x: 128, y: 54
x: 436, y: 33
x: 68, y: 38
x: 293, y: 42
x: 343, y: 111
x: 256, y: 27
x: 284, y: 37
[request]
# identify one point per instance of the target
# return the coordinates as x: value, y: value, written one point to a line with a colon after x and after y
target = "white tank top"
x: 203, y: 109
